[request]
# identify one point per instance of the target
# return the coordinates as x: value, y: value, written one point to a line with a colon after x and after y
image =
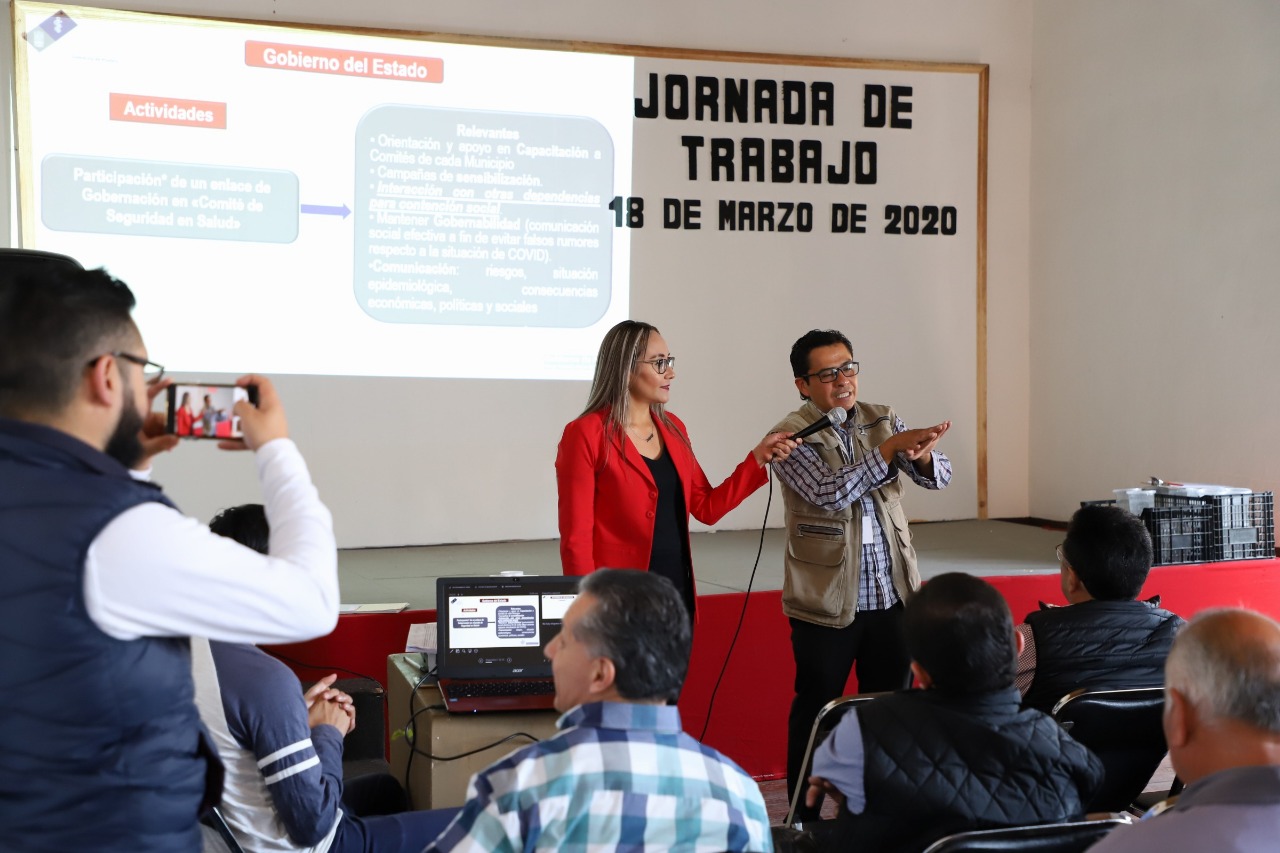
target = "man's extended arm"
x: 298, y: 750
x: 154, y: 572
x: 809, y: 477
x: 927, y: 467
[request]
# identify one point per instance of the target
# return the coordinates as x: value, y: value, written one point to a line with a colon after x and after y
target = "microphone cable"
x: 706, y: 723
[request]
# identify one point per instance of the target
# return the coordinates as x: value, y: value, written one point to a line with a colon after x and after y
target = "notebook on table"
x: 490, y: 635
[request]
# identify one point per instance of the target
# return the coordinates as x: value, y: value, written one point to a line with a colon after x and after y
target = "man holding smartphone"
x: 103, y: 580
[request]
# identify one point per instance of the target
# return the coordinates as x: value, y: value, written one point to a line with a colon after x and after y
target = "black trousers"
x: 873, y: 643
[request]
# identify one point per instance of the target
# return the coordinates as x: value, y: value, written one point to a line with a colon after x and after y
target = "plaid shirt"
x: 809, y: 477
x: 618, y: 776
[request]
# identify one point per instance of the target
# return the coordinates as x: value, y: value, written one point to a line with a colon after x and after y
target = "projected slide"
x: 527, y: 224
x: 347, y: 205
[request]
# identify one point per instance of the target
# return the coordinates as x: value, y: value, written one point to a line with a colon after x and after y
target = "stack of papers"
x: 422, y: 638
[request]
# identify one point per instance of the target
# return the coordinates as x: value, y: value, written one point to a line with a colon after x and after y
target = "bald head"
x: 1227, y: 665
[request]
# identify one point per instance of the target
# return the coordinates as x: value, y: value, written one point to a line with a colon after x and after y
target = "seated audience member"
x: 283, y: 749
x: 1104, y: 637
x: 104, y: 579
x: 621, y: 774
x: 1222, y: 721
x: 958, y: 754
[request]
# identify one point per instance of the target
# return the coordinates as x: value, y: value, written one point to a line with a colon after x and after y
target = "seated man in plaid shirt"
x: 621, y: 774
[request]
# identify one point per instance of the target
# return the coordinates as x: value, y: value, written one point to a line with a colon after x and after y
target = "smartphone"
x: 206, y: 410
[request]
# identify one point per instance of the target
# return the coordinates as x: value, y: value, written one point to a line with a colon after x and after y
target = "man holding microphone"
x: 849, y: 563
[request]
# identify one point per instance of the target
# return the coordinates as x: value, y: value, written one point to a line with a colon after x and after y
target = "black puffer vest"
x: 1098, y: 644
x: 937, y: 763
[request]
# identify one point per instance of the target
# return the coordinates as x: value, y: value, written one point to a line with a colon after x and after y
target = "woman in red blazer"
x: 184, y: 416
x: 626, y: 473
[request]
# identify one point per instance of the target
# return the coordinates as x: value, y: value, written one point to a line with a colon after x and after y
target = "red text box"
x: 348, y: 63
x: 151, y: 109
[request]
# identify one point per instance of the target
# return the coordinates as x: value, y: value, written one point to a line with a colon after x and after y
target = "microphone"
x: 835, y: 417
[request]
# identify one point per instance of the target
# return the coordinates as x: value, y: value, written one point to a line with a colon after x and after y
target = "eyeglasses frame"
x: 857, y: 368
x: 654, y: 362
x: 135, y: 359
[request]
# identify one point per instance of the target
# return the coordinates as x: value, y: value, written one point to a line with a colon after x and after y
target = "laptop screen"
x: 497, y: 627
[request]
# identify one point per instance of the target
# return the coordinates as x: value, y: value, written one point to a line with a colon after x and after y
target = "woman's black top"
x: 670, y: 554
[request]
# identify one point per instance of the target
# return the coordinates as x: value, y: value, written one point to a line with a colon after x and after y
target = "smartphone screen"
x: 206, y: 411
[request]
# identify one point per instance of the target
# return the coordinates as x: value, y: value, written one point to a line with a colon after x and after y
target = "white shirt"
x: 154, y: 572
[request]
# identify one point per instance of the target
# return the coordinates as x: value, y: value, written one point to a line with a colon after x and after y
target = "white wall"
x: 413, y: 506
x: 1155, y: 187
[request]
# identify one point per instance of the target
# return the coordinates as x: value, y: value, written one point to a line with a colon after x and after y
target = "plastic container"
x: 1135, y: 500
x: 1241, y: 522
x: 1179, y: 534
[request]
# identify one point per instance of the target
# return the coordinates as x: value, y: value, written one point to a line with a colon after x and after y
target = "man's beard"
x: 125, y: 444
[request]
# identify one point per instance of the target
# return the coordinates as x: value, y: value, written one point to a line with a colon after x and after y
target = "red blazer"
x: 608, y: 497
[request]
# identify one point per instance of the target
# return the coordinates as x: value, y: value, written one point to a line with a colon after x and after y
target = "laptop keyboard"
x: 542, y: 687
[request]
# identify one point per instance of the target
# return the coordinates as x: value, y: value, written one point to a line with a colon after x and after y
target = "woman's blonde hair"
x: 620, y: 353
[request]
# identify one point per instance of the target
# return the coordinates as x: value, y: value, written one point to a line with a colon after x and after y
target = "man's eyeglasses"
x: 1057, y: 552
x: 662, y: 365
x: 849, y: 368
x: 151, y: 371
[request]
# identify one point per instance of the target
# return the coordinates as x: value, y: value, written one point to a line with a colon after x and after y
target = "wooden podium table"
x: 434, y: 783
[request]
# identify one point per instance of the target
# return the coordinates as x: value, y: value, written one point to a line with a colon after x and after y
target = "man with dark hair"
x: 246, y: 524
x: 621, y: 774
x: 103, y: 579
x: 1105, y: 637
x: 283, y: 748
x: 1222, y: 722
x: 849, y: 563
x: 958, y: 754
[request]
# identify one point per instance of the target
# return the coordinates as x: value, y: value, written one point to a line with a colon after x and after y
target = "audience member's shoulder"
x: 690, y: 743
x: 1169, y: 830
x: 540, y: 760
x: 252, y: 671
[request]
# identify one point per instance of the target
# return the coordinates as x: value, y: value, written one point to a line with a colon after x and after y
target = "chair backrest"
x: 1123, y: 728
x: 1072, y: 837
x: 822, y: 726
x: 22, y: 261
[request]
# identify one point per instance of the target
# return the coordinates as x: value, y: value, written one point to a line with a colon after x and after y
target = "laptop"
x: 490, y: 633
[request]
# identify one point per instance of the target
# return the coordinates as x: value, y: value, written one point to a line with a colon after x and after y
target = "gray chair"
x: 822, y: 726
x: 1123, y: 728
x: 1073, y: 837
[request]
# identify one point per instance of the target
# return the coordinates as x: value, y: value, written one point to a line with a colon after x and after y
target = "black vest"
x: 1098, y: 644
x: 937, y: 763
x: 101, y: 747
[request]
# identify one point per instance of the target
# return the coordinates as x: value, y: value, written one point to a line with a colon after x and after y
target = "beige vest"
x: 824, y: 549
